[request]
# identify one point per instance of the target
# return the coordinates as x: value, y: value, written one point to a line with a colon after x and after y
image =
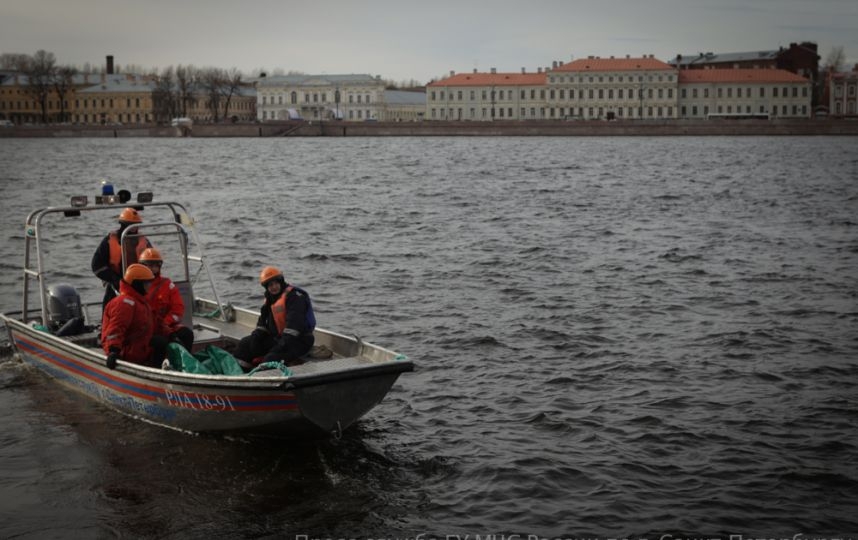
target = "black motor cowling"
x: 65, y: 314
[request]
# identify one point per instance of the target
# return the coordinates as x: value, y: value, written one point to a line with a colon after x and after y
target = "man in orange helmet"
x: 284, y: 330
x: 166, y: 302
x: 127, y: 326
x: 107, y: 259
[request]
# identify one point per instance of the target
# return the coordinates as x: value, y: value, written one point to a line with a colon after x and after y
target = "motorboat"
x: 341, y: 380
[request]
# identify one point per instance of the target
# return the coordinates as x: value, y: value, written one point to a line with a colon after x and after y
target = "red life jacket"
x: 132, y: 253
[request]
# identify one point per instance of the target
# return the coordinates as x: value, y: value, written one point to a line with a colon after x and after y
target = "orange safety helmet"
x: 138, y: 272
x: 150, y: 254
x: 130, y: 215
x: 269, y: 273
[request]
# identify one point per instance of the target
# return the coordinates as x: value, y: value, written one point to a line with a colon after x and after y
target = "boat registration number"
x: 200, y: 402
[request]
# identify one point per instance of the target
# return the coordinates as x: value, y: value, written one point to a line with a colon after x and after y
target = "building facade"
x: 116, y: 101
x: 843, y: 93
x: 586, y: 89
x: 613, y: 88
x: 487, y: 97
x: 109, y: 99
x: 403, y: 106
x: 799, y: 58
x: 320, y: 97
x: 772, y: 93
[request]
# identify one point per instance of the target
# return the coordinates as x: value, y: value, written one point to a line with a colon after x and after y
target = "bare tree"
x: 13, y: 61
x: 231, y: 86
x: 63, y: 83
x: 40, y: 70
x: 211, y: 80
x: 163, y: 98
x: 185, y: 79
x: 835, y: 60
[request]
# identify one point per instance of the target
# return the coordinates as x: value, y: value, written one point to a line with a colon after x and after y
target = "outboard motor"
x: 65, y: 315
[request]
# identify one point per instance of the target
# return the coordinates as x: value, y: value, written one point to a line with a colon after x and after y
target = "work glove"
x: 111, y: 358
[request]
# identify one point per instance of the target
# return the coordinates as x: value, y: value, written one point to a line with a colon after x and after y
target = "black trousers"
x: 289, y: 350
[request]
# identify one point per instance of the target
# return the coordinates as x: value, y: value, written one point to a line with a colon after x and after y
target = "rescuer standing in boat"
x: 284, y: 330
x: 166, y: 302
x: 107, y: 259
x: 128, y: 325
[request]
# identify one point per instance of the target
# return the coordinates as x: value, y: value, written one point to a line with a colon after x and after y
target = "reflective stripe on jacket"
x: 127, y: 324
x: 167, y: 306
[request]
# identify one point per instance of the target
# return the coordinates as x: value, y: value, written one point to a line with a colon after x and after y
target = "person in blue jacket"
x: 284, y: 330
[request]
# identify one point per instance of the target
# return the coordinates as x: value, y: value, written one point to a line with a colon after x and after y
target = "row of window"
x: 610, y: 78
x: 354, y: 114
x: 748, y: 92
x: 729, y: 109
x: 542, y: 113
x: 591, y: 93
x: 315, y: 98
x: 838, y: 90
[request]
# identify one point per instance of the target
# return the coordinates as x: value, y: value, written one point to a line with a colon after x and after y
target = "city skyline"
x: 404, y: 41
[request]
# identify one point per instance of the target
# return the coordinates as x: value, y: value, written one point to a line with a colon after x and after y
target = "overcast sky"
x: 404, y: 39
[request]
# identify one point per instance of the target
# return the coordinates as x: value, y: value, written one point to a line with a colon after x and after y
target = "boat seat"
x: 203, y: 334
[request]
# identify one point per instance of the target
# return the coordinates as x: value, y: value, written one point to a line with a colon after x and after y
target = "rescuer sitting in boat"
x: 284, y: 330
x: 166, y: 302
x: 107, y: 259
x: 127, y: 326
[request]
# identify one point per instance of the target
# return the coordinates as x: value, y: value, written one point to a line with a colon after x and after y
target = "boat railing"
x: 182, y: 225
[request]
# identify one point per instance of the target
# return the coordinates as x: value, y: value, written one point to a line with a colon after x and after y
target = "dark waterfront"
x: 615, y: 337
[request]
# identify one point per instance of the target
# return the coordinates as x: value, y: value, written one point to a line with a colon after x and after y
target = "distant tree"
x: 63, y: 84
x: 40, y: 70
x: 13, y: 61
x: 163, y: 98
x: 835, y: 60
x: 211, y: 80
x: 231, y: 86
x: 185, y: 79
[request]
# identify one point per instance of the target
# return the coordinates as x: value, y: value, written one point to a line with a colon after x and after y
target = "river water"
x: 614, y: 337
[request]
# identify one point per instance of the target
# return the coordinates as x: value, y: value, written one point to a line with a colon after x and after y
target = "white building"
x: 320, y: 97
x: 613, y: 88
x: 729, y: 92
x: 487, y: 97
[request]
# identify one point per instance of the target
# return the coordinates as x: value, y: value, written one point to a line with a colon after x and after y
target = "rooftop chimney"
x: 494, y: 71
x: 475, y: 70
x: 110, y: 64
x: 523, y: 71
x: 452, y: 73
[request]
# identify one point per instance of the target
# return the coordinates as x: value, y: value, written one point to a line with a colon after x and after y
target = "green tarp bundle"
x: 212, y: 361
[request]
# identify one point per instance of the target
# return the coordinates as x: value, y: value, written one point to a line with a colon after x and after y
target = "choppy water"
x: 614, y: 336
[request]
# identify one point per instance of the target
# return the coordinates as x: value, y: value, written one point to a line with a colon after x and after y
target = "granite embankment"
x: 446, y: 129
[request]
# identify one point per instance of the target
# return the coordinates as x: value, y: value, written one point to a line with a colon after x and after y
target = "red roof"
x: 614, y: 64
x: 689, y: 76
x: 492, y: 79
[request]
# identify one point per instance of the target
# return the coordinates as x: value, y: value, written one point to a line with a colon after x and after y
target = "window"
x: 705, y: 93
x: 775, y: 91
x: 294, y: 97
x: 729, y: 93
x: 601, y: 94
x: 620, y: 95
x: 693, y: 92
x: 459, y: 95
x: 794, y: 91
x: 762, y: 92
x: 473, y: 95
x: 523, y: 94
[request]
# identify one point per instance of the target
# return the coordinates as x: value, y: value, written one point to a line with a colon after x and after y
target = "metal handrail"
x: 35, y: 269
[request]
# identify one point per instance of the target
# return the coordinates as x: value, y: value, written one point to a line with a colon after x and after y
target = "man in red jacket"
x: 166, y: 302
x: 127, y: 327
